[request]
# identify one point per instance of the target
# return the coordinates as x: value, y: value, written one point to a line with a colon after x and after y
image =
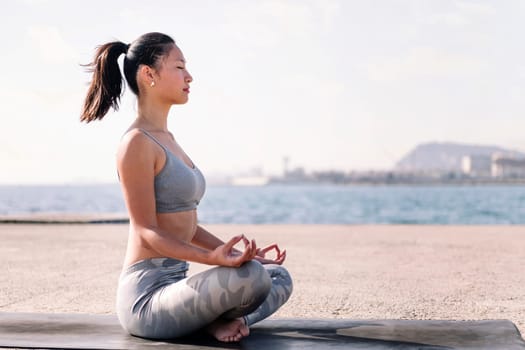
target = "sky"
x: 330, y: 84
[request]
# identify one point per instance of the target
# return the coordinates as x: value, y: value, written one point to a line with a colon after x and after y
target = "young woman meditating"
x: 162, y: 188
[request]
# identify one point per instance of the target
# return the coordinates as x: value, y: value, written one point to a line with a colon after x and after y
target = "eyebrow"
x: 181, y: 59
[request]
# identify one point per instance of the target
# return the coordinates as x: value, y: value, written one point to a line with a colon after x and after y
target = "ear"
x: 146, y: 74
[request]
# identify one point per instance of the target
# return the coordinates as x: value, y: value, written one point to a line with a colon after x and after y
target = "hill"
x: 435, y: 156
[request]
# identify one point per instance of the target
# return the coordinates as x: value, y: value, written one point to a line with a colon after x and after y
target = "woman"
x: 162, y: 188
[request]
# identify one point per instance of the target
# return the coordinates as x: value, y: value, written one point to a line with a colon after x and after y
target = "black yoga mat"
x: 82, y: 331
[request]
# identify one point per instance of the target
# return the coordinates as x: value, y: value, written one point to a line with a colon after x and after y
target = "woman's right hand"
x: 226, y: 255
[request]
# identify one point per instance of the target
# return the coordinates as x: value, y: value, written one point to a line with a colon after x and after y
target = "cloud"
x: 464, y: 13
x: 521, y: 71
x: 50, y: 46
x: 424, y: 62
x: 270, y: 22
x: 36, y: 2
x: 450, y: 19
x: 475, y: 8
x: 137, y: 16
x: 326, y: 12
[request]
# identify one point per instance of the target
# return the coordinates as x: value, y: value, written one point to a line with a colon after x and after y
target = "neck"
x: 152, y: 116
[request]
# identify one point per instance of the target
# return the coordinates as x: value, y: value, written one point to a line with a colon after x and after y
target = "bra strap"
x: 153, y: 138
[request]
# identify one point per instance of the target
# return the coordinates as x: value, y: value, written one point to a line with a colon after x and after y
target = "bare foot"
x: 229, y: 330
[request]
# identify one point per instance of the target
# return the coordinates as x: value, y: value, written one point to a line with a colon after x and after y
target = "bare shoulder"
x: 135, y: 148
x: 134, y: 141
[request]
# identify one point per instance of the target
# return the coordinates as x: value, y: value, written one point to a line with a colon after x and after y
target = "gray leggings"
x: 156, y: 300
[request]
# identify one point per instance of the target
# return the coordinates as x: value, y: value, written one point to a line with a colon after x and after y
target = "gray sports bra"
x: 177, y: 186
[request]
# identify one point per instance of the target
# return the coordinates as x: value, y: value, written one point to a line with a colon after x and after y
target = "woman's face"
x: 172, y: 79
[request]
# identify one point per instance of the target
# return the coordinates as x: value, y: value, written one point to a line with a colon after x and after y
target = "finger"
x: 246, y: 255
x: 251, y: 247
x: 282, y: 258
x: 233, y: 241
x: 254, y: 248
x: 276, y: 248
x: 268, y: 248
x: 251, y: 250
x: 264, y: 250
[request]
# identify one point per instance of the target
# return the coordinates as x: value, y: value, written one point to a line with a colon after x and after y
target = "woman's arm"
x: 205, y: 239
x: 223, y: 255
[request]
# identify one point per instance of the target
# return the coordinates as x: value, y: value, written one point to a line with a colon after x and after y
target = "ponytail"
x: 106, y: 87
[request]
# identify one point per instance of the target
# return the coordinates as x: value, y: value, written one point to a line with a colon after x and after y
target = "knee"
x: 248, y: 286
x: 281, y: 278
x: 255, y: 274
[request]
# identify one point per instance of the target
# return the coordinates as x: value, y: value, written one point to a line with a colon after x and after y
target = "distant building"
x: 250, y: 180
x: 253, y: 177
x: 296, y: 175
x: 507, y: 167
x: 476, y: 165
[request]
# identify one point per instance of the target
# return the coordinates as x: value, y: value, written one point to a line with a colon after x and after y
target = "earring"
x: 152, y: 84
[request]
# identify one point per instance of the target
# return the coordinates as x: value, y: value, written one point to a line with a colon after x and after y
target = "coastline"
x: 340, y: 271
x: 65, y: 218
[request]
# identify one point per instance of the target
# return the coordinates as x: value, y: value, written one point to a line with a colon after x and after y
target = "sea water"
x: 297, y: 204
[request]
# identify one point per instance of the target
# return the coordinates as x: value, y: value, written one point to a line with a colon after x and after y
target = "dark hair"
x: 106, y: 87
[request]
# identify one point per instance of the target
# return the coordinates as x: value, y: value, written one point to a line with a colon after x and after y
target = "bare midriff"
x: 180, y: 225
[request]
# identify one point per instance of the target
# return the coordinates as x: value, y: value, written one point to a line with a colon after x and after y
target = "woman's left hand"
x: 279, y: 258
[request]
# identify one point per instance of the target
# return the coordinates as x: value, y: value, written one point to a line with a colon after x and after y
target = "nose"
x: 188, y: 78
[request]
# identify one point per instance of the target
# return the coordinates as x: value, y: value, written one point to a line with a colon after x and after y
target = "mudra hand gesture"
x: 280, y: 256
x: 252, y: 252
x: 227, y: 255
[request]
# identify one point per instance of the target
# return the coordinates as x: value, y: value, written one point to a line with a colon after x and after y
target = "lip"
x: 186, y: 90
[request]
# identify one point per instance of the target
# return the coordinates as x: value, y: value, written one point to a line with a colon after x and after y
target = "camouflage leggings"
x: 156, y: 300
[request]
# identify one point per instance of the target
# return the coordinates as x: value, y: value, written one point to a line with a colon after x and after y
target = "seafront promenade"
x: 340, y: 271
